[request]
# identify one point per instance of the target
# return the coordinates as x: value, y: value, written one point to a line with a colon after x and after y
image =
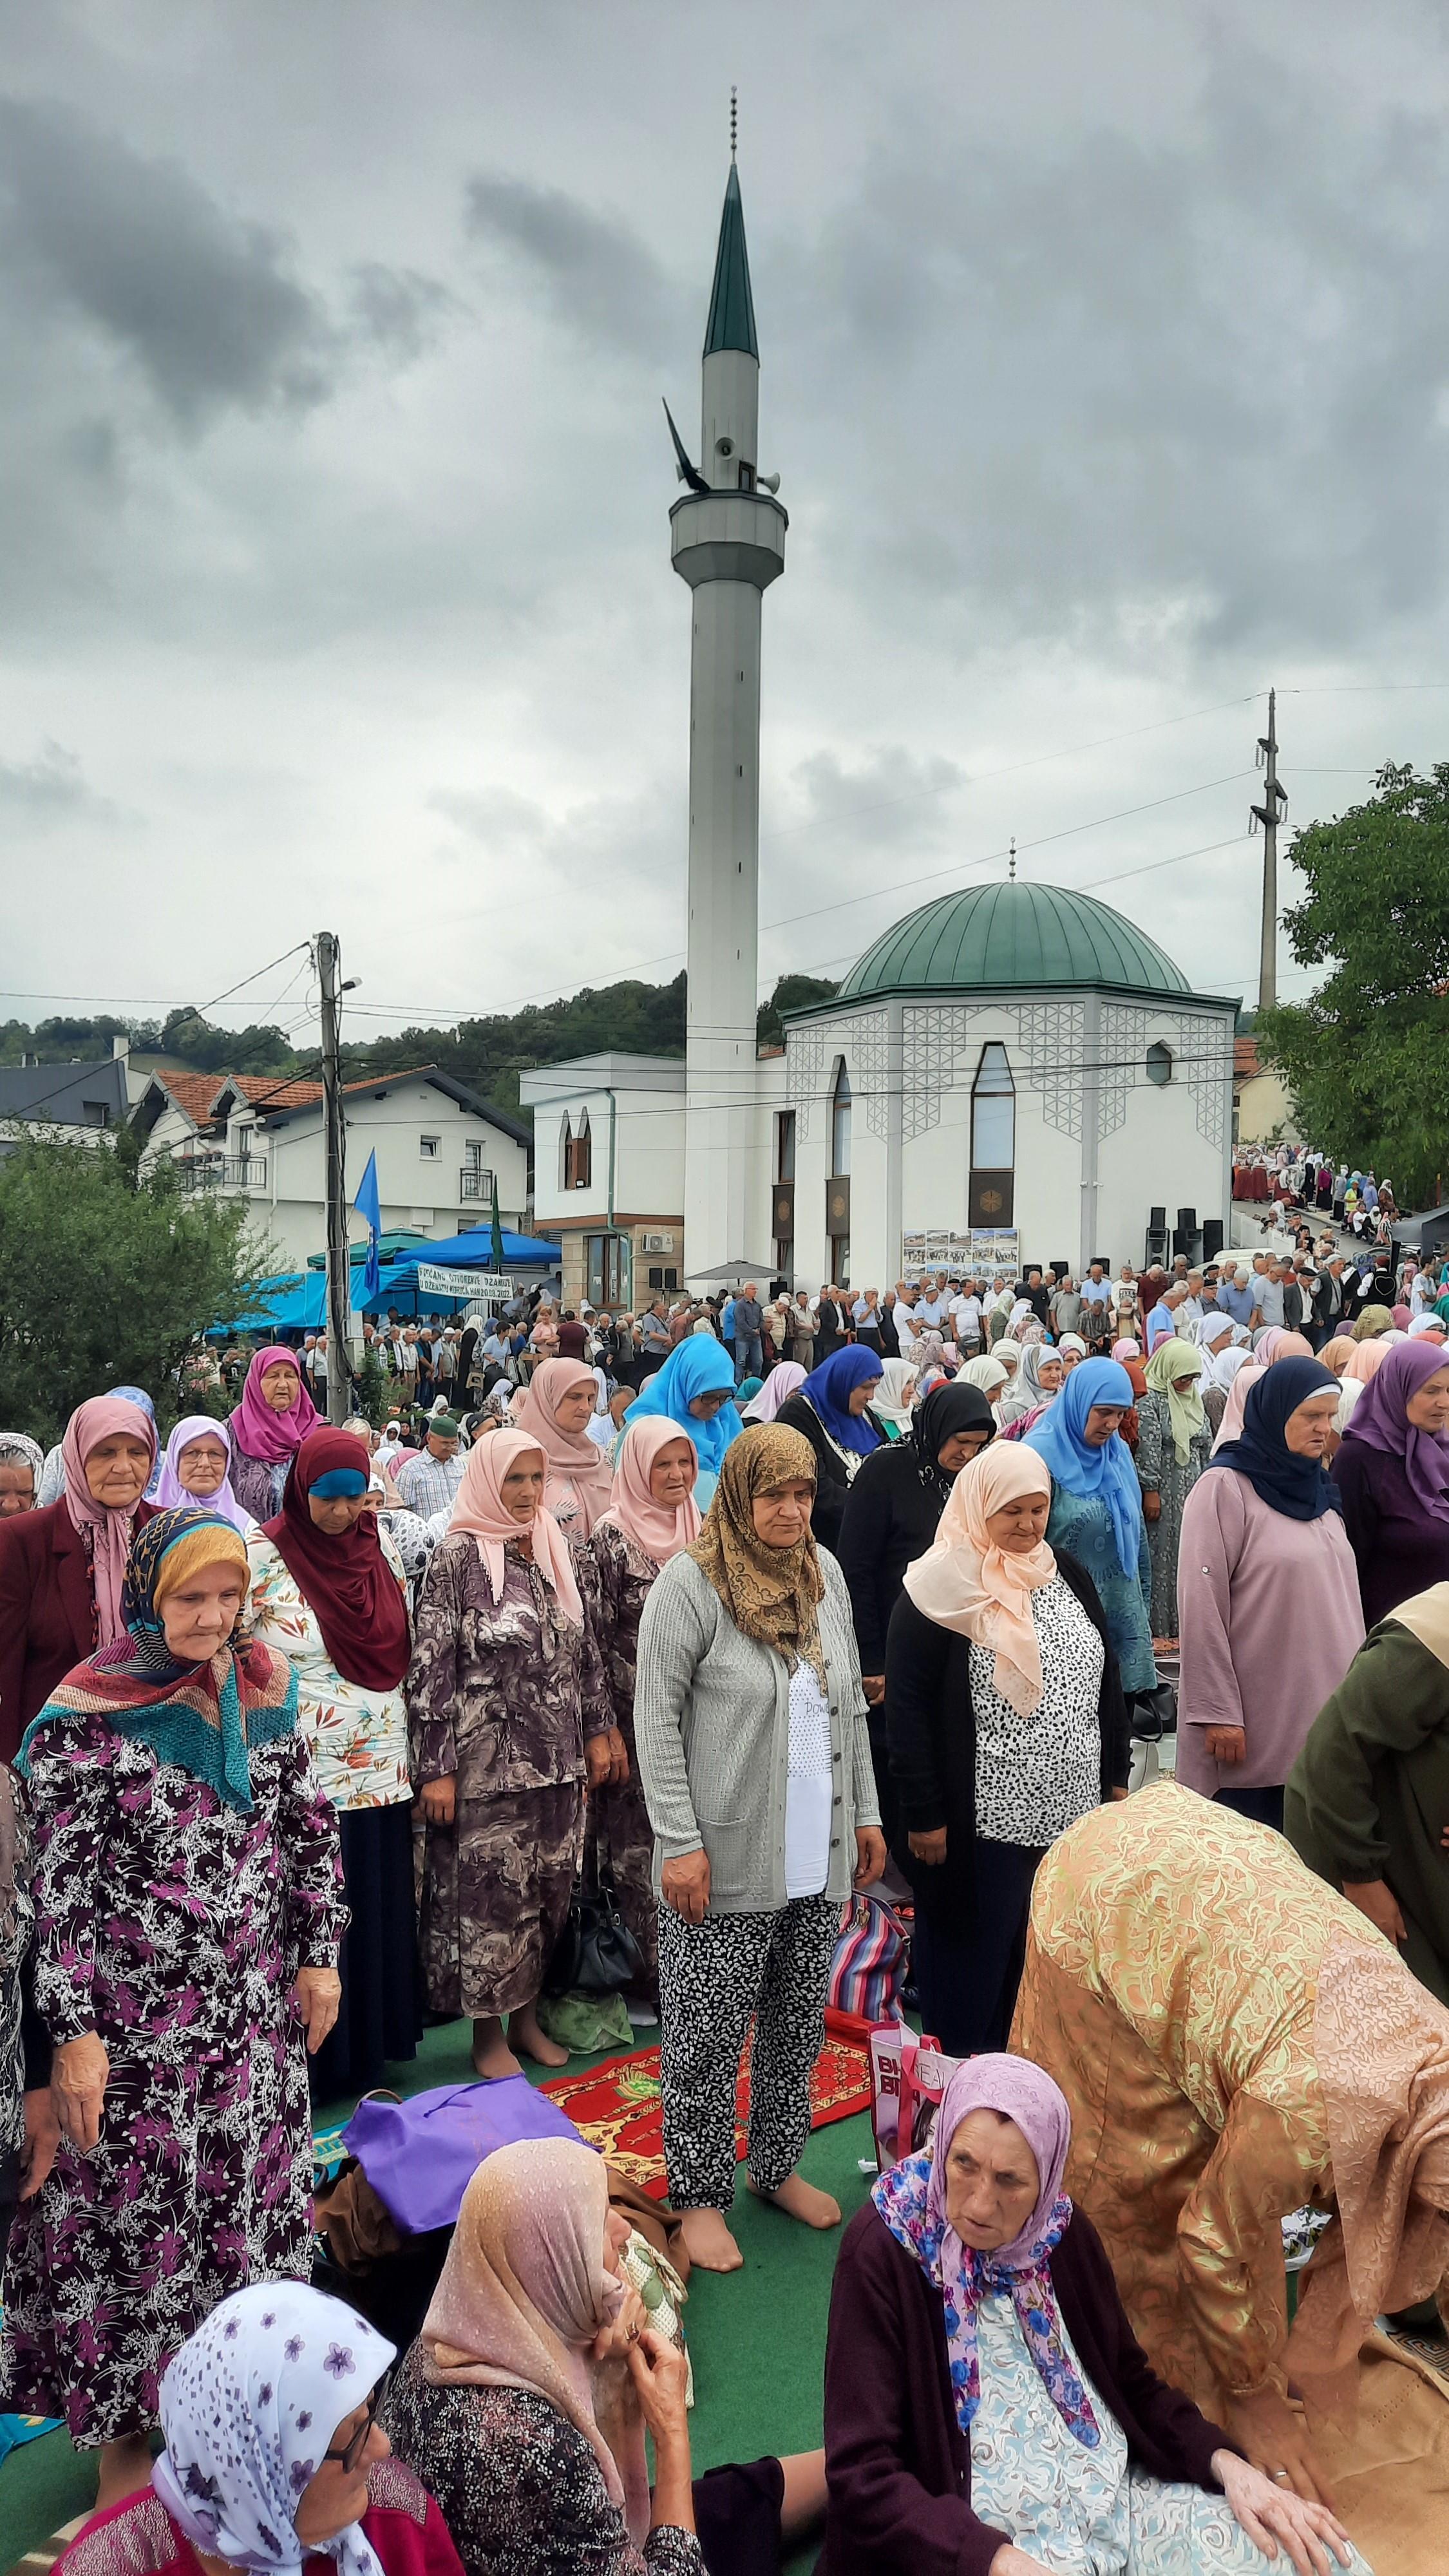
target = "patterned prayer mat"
x: 618, y: 2106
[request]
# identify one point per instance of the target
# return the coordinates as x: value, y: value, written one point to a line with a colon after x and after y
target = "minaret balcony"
x: 728, y: 536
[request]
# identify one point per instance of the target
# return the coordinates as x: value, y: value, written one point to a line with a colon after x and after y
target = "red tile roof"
x: 1245, y: 1059
x: 193, y: 1092
x: 375, y: 1081
x: 273, y: 1091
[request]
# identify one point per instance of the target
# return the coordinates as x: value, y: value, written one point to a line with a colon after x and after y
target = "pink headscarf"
x: 967, y: 1583
x: 1126, y: 1350
x: 1277, y: 1343
x: 254, y: 1428
x: 101, y: 1419
x: 1027, y: 2095
x: 783, y: 1380
x: 481, y: 1511
x: 661, y: 1529
x: 573, y: 1458
x: 1368, y: 1358
x: 1231, y: 1425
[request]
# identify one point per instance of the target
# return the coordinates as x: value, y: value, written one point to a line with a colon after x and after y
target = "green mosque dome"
x: 997, y: 938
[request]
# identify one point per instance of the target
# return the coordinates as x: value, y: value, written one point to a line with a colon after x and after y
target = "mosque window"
x: 1159, y: 1063
x: 840, y: 1123
x: 993, y: 1112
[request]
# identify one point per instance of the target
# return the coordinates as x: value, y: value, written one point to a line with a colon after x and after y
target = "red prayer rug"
x: 618, y: 2105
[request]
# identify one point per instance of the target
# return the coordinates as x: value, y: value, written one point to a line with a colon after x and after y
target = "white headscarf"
x: 893, y: 1401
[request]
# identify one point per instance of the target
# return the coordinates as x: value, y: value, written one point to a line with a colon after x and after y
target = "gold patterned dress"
x: 1234, y: 2040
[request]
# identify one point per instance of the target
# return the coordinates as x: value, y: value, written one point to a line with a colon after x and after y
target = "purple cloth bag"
x: 421, y: 2155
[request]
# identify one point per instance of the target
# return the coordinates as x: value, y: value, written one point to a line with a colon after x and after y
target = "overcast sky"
x: 1104, y: 359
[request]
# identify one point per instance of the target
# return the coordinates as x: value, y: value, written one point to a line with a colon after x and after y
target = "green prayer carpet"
x: 757, y: 2337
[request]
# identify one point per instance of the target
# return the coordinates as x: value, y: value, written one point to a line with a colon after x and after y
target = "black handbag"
x: 596, y: 1953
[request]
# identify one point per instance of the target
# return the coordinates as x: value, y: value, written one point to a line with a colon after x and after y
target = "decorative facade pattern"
x: 869, y: 1043
x: 1045, y: 1057
x: 804, y: 1070
x: 1202, y: 1046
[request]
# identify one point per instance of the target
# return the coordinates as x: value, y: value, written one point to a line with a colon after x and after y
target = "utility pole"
x: 1269, y: 814
x: 339, y: 1283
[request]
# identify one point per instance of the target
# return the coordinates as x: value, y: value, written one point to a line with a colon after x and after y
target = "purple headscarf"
x: 173, y: 1496
x: 785, y: 1378
x: 1380, y: 1417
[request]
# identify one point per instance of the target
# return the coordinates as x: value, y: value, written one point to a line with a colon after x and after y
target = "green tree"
x: 1366, y: 1058
x: 791, y: 993
x: 106, y: 1278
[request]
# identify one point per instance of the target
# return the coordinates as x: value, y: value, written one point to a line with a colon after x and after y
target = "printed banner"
x: 490, y: 1287
x: 936, y: 1248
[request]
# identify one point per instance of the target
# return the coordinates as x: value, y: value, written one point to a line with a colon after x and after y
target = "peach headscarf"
x: 481, y: 1511
x: 1368, y: 1358
x: 965, y: 1583
x: 1277, y: 1343
x: 573, y: 1458
x: 1231, y: 1425
x: 661, y: 1529
x: 1336, y: 1354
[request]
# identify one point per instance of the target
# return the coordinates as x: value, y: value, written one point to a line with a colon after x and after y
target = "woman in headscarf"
x: 329, y: 1593
x: 194, y: 1469
x: 750, y: 1722
x: 1367, y: 1797
x: 267, y: 1429
x: 188, y: 1903
x: 988, y: 2408
x: 523, y: 2404
x: 21, y: 1462
x: 555, y: 1409
x: 784, y: 1379
x: 891, y: 1515
x: 53, y: 1474
x: 29, y: 2130
x: 1072, y: 1349
x: 62, y: 1568
x: 1267, y: 1594
x: 1174, y: 1440
x: 832, y: 1411
x: 1371, y: 1321
x: 504, y: 1685
x: 890, y: 1406
x: 1096, y: 1514
x: 1005, y: 1721
x: 652, y: 1514
x: 1392, y: 1473
x: 1274, y: 1342
x: 1215, y: 1341
x: 1037, y: 1382
x: 274, y: 2456
x: 1235, y: 2041
x: 988, y: 1372
x: 695, y: 1391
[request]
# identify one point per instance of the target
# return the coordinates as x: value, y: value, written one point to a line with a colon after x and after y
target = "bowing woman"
x: 267, y: 1429
x: 503, y: 1689
x: 651, y: 1516
x: 832, y: 1409
x: 555, y: 1409
x: 1006, y: 1722
x: 1096, y: 1514
x: 1267, y: 1593
x: 188, y: 1909
x: 62, y: 1568
x: 328, y: 1592
x: 988, y: 2409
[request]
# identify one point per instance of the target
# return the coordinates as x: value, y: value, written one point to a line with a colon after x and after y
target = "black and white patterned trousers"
x: 712, y: 1977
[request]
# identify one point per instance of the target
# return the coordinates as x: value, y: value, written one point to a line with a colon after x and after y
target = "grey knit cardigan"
x: 712, y: 1727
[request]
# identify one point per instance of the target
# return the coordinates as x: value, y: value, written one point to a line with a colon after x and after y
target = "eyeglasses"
x: 352, y: 2451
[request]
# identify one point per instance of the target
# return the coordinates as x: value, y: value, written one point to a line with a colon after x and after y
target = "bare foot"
x: 710, y: 2243
x: 125, y: 2469
x: 800, y: 2199
x: 492, y: 2056
x: 524, y: 2032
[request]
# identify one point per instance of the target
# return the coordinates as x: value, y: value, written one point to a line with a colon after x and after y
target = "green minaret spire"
x: 731, y: 323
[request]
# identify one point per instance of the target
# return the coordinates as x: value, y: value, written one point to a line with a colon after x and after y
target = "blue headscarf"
x: 829, y: 1388
x: 699, y: 1365
x: 1300, y: 1488
x: 1100, y: 1475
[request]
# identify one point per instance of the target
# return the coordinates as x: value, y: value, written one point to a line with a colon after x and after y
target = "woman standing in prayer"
x: 503, y: 1688
x: 1235, y: 2040
x: 1174, y: 1442
x: 750, y: 1722
x: 1037, y: 1381
x: 1096, y: 1514
x: 988, y: 2409
x: 21, y: 1461
x: 194, y: 1472
x: 1006, y: 1722
x: 555, y: 1409
x: 890, y: 1406
x: 832, y: 1411
x: 1267, y: 1594
x: 1215, y: 1341
x: 651, y: 1516
x: 328, y: 1592
x: 274, y: 2457
x: 62, y: 1568
x: 1392, y: 1473
x: 1368, y: 1797
x: 783, y: 1380
x: 267, y: 1429
x: 987, y: 1372
x: 695, y: 1391
x: 188, y: 1900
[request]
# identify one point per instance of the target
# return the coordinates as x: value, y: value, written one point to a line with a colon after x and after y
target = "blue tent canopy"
x: 474, y: 1251
x: 296, y: 1301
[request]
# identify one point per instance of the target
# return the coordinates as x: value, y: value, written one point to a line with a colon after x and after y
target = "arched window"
x: 1159, y: 1063
x: 840, y: 1124
x: 993, y: 1113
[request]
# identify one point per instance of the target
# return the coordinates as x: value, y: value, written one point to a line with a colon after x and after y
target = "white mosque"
x: 1012, y: 1073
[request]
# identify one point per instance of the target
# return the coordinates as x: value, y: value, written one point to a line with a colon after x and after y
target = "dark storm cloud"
x: 599, y: 276
x: 397, y: 309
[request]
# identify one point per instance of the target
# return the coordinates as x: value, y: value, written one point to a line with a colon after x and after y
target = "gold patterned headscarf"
x: 773, y: 1594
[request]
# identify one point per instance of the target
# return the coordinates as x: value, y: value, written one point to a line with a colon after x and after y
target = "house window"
x: 607, y: 1270
x: 840, y: 1123
x: 430, y: 1147
x: 95, y: 1113
x: 1159, y: 1063
x: 578, y: 1155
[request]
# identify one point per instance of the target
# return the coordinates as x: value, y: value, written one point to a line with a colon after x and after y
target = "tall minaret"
x: 728, y: 544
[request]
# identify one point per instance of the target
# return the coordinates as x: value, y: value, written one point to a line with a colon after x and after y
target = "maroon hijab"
x: 345, y: 1579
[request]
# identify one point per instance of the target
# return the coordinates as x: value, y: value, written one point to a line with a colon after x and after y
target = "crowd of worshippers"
x: 312, y: 1733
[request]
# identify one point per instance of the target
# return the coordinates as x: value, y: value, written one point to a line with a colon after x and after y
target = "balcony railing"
x: 474, y: 1183
x: 224, y: 1171
x: 246, y: 1171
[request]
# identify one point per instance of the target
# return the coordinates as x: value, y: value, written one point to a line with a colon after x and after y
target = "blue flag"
x: 368, y: 1204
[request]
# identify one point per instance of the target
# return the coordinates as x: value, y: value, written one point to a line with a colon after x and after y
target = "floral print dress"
x: 359, y: 1738
x: 173, y: 1925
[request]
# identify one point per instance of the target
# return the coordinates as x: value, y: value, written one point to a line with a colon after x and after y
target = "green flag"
x: 495, y: 1249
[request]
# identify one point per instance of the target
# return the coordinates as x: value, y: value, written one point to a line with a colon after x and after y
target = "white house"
x: 77, y: 1104
x: 609, y: 1172
x: 259, y: 1137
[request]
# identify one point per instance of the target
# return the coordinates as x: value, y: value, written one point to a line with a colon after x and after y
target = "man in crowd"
x: 1235, y: 1294
x: 748, y: 1320
x: 654, y: 1341
x: 1097, y: 1306
x: 573, y: 1336
x: 1065, y: 1304
x: 429, y: 1482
